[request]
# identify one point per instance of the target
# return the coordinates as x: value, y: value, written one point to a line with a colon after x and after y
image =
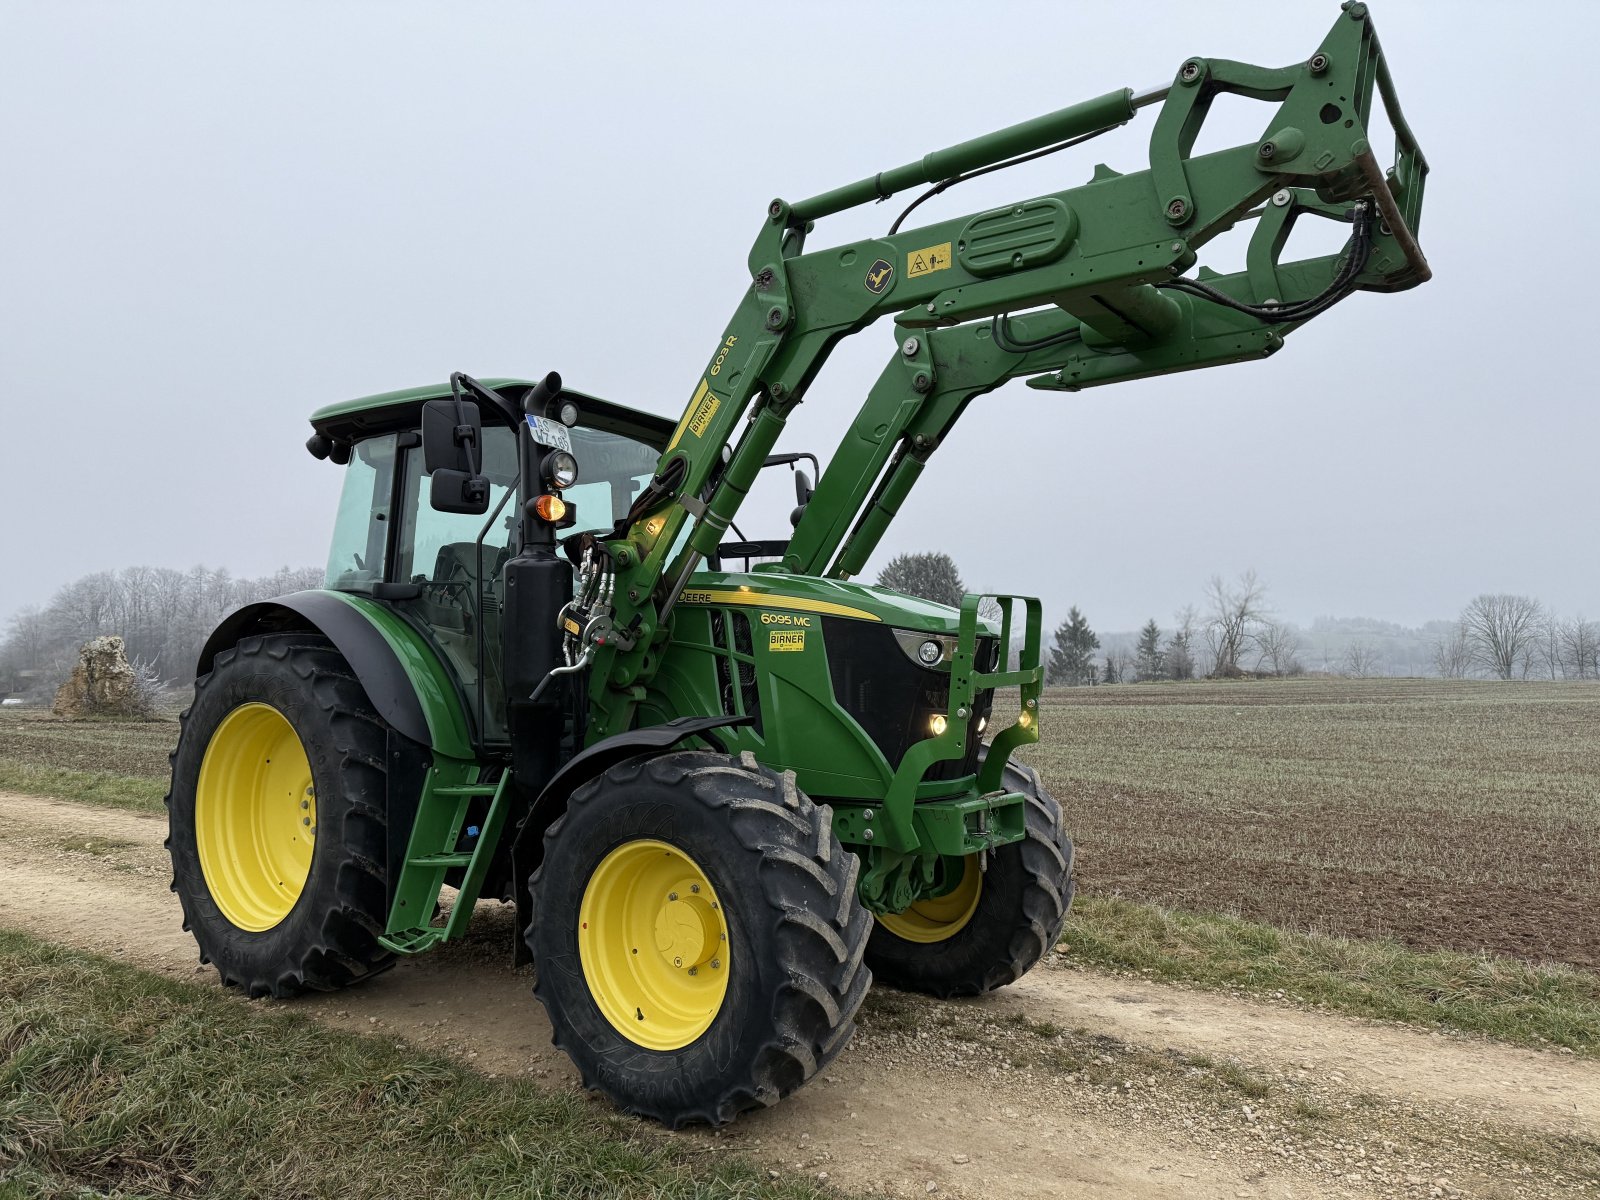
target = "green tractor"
x: 724, y: 800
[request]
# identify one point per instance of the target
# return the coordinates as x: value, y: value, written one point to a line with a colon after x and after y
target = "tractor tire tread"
x: 818, y: 935
x: 1011, y: 943
x: 341, y: 946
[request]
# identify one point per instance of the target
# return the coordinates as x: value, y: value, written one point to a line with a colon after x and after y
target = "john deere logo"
x: 878, y: 276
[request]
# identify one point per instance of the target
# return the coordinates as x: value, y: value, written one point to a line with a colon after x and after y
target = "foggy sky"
x: 219, y: 217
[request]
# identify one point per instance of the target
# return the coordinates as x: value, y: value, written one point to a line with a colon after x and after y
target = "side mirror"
x: 452, y: 453
x: 802, y: 495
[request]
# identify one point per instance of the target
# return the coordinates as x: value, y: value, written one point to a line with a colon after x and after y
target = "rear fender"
x: 402, y: 675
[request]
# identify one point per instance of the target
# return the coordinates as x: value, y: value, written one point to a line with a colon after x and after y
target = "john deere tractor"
x: 723, y: 784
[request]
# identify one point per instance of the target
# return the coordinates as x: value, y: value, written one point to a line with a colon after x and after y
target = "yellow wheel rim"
x: 255, y: 817
x: 653, y: 942
x: 944, y: 916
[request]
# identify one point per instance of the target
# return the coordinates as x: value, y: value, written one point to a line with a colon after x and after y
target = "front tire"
x: 995, y: 924
x: 276, y: 818
x: 697, y: 936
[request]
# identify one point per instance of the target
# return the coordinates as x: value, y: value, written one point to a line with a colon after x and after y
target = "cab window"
x: 357, y: 555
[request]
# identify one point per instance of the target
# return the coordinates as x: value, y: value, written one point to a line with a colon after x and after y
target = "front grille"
x: 892, y: 697
x: 744, y: 645
x: 748, y: 701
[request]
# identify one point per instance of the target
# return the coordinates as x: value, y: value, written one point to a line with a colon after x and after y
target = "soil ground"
x: 1070, y: 1083
x: 1459, y: 814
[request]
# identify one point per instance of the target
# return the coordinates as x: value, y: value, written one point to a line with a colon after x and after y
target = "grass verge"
x: 1501, y: 998
x: 88, y: 787
x: 114, y: 1081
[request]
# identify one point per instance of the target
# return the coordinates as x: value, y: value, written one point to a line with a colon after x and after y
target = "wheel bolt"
x: 694, y: 970
x: 672, y: 895
x: 305, y: 804
x: 694, y: 887
x: 305, y: 820
x: 716, y: 964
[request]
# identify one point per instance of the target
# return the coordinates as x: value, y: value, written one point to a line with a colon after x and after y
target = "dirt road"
x: 1072, y: 1083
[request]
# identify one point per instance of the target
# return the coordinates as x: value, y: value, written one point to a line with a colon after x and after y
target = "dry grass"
x: 116, y: 1082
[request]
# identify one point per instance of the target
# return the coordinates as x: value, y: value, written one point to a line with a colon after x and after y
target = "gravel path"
x: 1070, y: 1083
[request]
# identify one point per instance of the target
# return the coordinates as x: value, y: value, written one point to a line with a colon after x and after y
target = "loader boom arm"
x: 1078, y: 288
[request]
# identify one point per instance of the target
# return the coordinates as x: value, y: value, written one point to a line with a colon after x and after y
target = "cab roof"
x: 353, y: 419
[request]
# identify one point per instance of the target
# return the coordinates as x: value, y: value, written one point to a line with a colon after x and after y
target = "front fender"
x: 402, y: 674
x: 527, y: 845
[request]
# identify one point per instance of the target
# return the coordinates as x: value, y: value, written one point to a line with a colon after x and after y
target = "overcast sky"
x: 218, y: 217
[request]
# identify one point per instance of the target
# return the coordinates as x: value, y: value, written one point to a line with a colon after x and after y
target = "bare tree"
x: 163, y: 616
x: 1452, y: 653
x: 1361, y: 659
x: 1503, y: 630
x: 1235, y: 612
x: 1544, y: 655
x: 1280, y: 646
x: 1578, y: 647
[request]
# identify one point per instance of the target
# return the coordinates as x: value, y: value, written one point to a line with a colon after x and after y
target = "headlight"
x: 568, y: 413
x: 983, y: 723
x: 938, y: 724
x: 561, y: 469
x: 932, y: 651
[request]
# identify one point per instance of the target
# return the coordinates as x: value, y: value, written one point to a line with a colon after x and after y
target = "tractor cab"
x: 442, y: 571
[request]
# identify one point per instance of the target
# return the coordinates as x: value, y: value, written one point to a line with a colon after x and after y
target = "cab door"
x: 454, y: 562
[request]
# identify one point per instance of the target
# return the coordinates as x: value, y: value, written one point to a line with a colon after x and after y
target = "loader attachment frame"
x: 1094, y: 274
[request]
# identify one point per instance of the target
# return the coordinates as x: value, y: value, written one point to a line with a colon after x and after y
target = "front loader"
x: 722, y: 799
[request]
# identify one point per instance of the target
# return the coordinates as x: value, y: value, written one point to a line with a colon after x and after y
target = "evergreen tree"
x: 1071, y: 658
x: 1178, y: 658
x: 1149, y: 661
x: 930, y: 576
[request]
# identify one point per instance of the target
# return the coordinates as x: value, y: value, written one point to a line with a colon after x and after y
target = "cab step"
x: 435, y: 849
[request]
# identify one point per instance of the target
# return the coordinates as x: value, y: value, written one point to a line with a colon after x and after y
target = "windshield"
x: 612, y: 470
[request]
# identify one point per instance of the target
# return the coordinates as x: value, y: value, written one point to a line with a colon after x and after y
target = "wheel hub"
x: 255, y: 817
x: 653, y: 942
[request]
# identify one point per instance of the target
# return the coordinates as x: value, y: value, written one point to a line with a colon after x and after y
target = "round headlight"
x: 938, y: 724
x: 561, y: 469
x: 568, y: 413
x: 930, y: 652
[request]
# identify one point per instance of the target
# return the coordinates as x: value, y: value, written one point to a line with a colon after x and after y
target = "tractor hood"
x: 830, y: 597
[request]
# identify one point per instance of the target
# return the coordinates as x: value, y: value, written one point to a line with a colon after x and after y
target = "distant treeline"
x: 1234, y: 632
x: 163, y: 615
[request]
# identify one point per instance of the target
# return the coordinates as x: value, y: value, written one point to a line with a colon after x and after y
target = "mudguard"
x: 402, y: 675
x: 527, y: 844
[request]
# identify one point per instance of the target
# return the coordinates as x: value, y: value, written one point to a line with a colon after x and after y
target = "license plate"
x: 551, y: 433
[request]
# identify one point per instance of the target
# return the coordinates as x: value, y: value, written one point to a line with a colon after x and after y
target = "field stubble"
x: 1463, y: 815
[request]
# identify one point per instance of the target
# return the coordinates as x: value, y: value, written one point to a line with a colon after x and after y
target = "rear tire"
x: 758, y: 1019
x: 280, y: 868
x: 959, y: 948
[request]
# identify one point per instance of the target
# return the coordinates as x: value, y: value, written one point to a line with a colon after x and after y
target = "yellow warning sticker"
x: 785, y: 640
x: 572, y: 627
x: 927, y: 261
x: 707, y: 403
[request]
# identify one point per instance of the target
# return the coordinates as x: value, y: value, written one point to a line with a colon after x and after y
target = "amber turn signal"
x: 550, y: 508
